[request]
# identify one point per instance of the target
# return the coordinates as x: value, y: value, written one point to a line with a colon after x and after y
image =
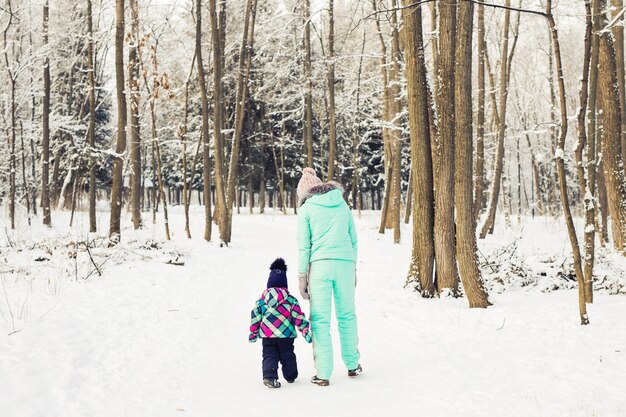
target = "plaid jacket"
x: 276, y: 315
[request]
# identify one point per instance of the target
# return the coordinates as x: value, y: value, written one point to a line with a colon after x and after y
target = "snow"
x: 148, y: 338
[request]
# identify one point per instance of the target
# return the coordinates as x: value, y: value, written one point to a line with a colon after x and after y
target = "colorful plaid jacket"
x: 276, y: 315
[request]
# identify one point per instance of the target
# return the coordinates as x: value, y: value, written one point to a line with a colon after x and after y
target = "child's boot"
x: 271, y: 383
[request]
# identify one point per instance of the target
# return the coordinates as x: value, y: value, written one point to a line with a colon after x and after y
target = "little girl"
x: 274, y: 318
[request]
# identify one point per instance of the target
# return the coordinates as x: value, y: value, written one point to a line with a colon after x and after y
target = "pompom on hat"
x: 278, y: 274
x: 309, y: 180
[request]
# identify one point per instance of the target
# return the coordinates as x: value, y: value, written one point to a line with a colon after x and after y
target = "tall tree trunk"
x: 120, y: 148
x: 206, y: 173
x: 218, y: 122
x: 465, y: 221
x: 26, y: 185
x: 135, y: 139
x: 386, y: 218
x: 356, y: 189
x: 611, y: 135
x: 261, y: 192
x: 308, y: 87
x: 245, y: 63
x: 618, y: 33
x: 187, y: 185
x: 91, y: 131
x: 423, y: 254
x: 332, y: 128
x: 587, y: 179
x: 480, y: 117
x: 396, y: 137
x: 560, y: 162
x: 445, y: 251
x: 497, y: 178
x: 45, y: 142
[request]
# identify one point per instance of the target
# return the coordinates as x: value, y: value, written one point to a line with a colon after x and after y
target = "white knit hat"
x: 309, y: 180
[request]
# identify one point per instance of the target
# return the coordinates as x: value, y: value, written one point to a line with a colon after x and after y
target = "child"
x: 274, y: 318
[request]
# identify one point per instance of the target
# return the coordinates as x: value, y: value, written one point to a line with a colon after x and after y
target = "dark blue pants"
x: 279, y: 350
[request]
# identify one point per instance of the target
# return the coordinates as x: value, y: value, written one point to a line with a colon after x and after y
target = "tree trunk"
x: 135, y: 139
x: 245, y: 63
x: 611, y: 135
x: 332, y: 149
x: 423, y: 254
x: 206, y: 173
x: 120, y: 148
x: 465, y: 221
x: 445, y: 252
x: 308, y: 88
x: 497, y: 179
x: 45, y: 142
x: 587, y: 179
x: 480, y: 117
x: 560, y: 162
x: 91, y: 131
x: 262, y: 193
x: 218, y: 122
x: 396, y: 144
x: 618, y: 34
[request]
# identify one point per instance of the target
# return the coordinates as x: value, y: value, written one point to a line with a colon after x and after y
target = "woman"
x: 327, y: 245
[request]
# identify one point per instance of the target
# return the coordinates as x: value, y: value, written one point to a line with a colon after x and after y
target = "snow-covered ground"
x: 152, y: 338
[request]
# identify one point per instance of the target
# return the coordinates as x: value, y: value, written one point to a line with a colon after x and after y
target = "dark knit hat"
x: 278, y: 274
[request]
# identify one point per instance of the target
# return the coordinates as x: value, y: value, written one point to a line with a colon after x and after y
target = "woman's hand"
x: 304, y: 286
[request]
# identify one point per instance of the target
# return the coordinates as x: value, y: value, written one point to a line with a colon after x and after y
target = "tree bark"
x: 91, y: 130
x: 560, y: 162
x: 135, y: 139
x: 618, y: 34
x: 218, y: 122
x: 332, y: 128
x: 120, y: 148
x: 396, y: 139
x: 587, y: 178
x: 206, y: 173
x: 497, y: 179
x: 480, y: 117
x: 308, y: 87
x: 611, y: 135
x: 245, y: 63
x: 445, y: 251
x: 463, y: 193
x: 423, y: 253
x: 45, y: 143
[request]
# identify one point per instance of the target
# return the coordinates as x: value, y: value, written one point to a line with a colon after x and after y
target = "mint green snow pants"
x: 330, y: 278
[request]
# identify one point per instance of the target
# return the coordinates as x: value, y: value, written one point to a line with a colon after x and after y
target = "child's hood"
x: 275, y: 296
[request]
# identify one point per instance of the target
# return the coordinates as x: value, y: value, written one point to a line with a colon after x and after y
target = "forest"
x: 151, y: 153
x: 449, y: 112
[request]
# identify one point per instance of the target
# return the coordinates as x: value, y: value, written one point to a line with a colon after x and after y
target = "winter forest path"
x: 150, y: 339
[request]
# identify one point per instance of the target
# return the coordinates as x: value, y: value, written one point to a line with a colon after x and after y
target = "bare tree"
x: 218, y: 122
x: 135, y: 138
x: 45, y: 142
x: 243, y: 75
x: 465, y: 221
x: 497, y: 178
x: 423, y: 255
x: 560, y: 162
x: 445, y: 252
x: 611, y: 134
x: 205, y: 125
x: 308, y: 87
x: 120, y: 148
x: 332, y: 128
x: 91, y: 131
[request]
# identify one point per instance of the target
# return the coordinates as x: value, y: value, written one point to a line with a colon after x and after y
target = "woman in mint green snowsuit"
x: 327, y: 244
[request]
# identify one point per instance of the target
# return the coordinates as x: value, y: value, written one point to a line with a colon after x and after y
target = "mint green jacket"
x: 325, y: 230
